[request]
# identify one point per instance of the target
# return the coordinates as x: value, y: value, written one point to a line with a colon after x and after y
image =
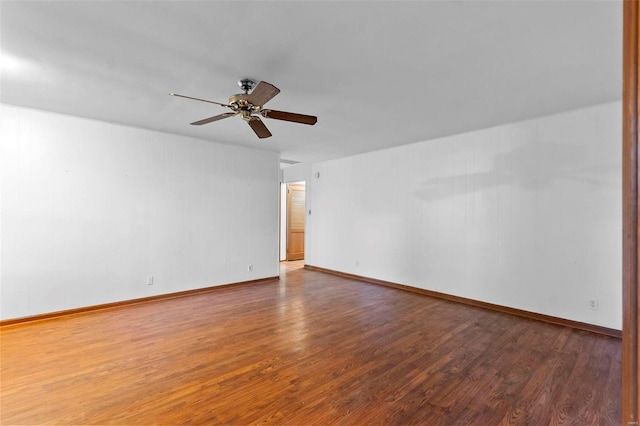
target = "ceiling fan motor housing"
x: 240, y: 103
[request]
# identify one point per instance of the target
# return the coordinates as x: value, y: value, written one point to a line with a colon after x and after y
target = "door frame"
x: 283, y: 218
x: 630, y: 218
x: 288, y: 216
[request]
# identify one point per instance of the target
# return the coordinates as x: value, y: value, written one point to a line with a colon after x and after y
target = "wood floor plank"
x: 311, y: 348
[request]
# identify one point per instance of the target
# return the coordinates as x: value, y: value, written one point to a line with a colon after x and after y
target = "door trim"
x: 630, y: 218
x: 290, y: 186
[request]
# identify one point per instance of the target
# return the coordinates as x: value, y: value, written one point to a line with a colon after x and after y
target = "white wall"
x: 90, y: 209
x: 526, y: 215
x: 296, y: 173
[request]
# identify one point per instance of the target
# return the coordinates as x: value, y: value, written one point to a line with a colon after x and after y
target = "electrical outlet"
x: 593, y: 304
x: 150, y: 280
x: 250, y: 268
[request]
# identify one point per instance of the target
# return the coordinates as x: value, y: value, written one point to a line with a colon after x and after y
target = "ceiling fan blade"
x: 258, y: 126
x: 263, y: 93
x: 289, y: 116
x: 198, y: 99
x: 214, y: 118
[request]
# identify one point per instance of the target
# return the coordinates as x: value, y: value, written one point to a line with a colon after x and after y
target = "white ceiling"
x: 377, y: 74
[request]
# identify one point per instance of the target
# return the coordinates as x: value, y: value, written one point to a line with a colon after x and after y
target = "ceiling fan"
x: 250, y: 106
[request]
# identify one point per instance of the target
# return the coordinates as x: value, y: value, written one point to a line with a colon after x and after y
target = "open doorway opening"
x: 292, y: 221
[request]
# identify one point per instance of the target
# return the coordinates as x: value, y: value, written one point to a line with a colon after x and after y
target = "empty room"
x: 319, y: 212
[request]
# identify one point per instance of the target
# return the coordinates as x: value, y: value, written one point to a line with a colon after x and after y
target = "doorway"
x: 292, y: 220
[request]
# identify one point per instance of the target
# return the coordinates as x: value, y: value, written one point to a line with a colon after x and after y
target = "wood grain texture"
x: 630, y: 219
x: 506, y: 309
x: 311, y: 348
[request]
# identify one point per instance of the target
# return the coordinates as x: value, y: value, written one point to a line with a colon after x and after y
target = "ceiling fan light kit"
x: 250, y: 107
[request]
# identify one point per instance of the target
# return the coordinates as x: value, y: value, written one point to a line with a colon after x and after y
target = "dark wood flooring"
x: 311, y: 348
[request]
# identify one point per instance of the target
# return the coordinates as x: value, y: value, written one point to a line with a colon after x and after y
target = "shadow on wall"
x: 533, y: 166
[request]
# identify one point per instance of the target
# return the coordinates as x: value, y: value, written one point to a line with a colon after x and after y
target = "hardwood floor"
x: 311, y: 348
